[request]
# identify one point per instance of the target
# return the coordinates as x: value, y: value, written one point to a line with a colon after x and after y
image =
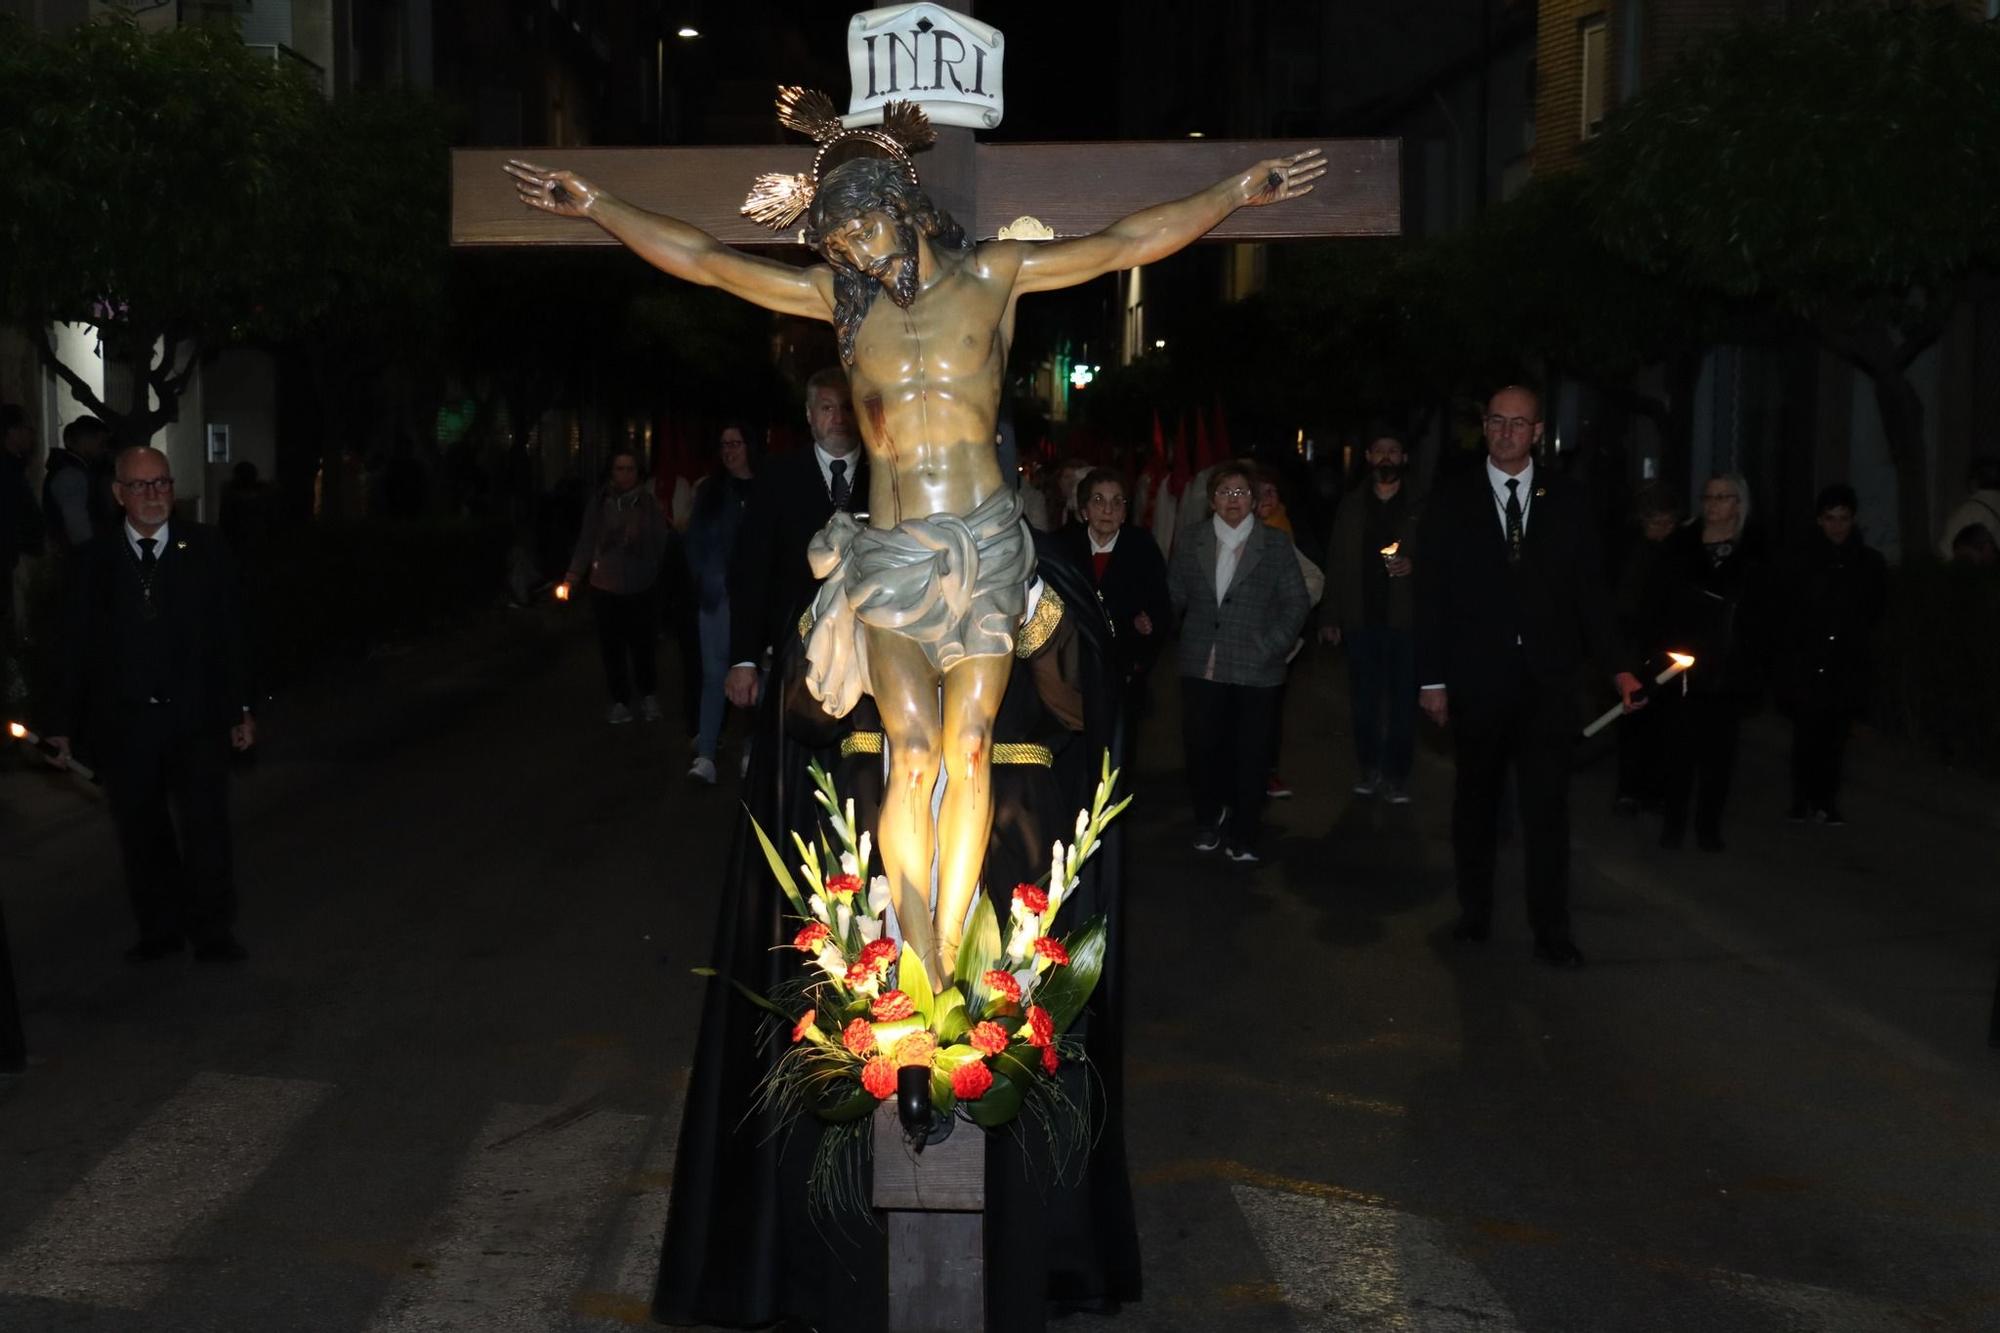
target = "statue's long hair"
x: 858, y: 186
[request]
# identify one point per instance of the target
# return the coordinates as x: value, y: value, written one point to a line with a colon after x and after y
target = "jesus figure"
x: 920, y: 607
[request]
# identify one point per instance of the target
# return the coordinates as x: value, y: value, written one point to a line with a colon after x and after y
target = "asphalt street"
x: 444, y: 1091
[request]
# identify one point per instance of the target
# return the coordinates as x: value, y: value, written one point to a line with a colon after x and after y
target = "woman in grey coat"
x: 1241, y: 600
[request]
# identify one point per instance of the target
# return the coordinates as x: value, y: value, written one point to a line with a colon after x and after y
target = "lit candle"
x: 26, y: 737
x: 1676, y: 663
x: 562, y: 592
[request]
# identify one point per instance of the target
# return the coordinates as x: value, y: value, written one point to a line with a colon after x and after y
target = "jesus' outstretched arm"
x: 675, y: 247
x: 1154, y: 233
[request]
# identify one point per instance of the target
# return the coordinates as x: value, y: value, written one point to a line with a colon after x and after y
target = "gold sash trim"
x: 1037, y: 628
x: 1024, y: 752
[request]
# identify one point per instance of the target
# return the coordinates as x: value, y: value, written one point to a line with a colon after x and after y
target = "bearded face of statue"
x: 882, y: 244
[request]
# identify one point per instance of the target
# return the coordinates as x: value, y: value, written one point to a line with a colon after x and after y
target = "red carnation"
x: 1003, y: 985
x: 858, y: 1037
x: 812, y: 938
x: 804, y: 1025
x: 1032, y: 898
x: 879, y: 953
x: 1052, y: 949
x: 916, y: 1049
x: 893, y: 1006
x: 879, y: 1077
x: 842, y: 886
x: 858, y: 972
x: 1049, y: 1061
x: 988, y: 1038
x: 969, y: 1082
x: 1041, y: 1028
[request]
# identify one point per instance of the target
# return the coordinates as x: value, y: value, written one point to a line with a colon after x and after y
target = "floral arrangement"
x: 991, y: 1034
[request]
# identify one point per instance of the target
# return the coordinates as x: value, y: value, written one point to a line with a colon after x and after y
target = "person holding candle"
x: 623, y: 540
x: 1708, y: 598
x: 1511, y: 605
x: 1641, y: 740
x: 156, y: 685
x: 1368, y: 610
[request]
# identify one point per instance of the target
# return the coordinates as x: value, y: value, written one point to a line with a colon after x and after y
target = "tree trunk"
x: 1902, y: 410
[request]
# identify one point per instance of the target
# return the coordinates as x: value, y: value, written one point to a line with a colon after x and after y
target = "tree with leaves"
x: 1842, y: 168
x: 182, y: 194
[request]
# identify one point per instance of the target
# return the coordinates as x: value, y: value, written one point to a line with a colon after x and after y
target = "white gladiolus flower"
x: 832, y: 961
x: 871, y: 930
x: 843, y: 918
x: 1023, y: 942
x: 878, y: 888
x: 809, y: 873
x: 867, y: 847
x: 818, y: 906
x: 1082, y: 823
x: 847, y: 865
x: 1026, y: 981
x: 1069, y: 873
x: 1055, y: 861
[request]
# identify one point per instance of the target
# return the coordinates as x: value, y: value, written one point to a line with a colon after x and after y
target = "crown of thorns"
x: 777, y: 199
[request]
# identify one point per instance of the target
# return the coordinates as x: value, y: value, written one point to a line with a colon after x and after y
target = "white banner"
x: 945, y: 62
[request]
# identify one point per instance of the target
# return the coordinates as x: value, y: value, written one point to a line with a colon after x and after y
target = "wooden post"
x: 934, y: 1210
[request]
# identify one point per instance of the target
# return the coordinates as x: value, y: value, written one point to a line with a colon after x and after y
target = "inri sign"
x: 946, y: 63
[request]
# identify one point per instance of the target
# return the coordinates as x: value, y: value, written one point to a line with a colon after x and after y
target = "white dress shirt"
x: 1526, y: 490
x: 133, y: 534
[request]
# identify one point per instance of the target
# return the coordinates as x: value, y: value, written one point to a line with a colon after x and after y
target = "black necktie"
x: 149, y: 566
x: 840, y: 483
x: 1513, y: 520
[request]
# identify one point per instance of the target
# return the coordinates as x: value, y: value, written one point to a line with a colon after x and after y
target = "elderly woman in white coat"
x: 1241, y: 600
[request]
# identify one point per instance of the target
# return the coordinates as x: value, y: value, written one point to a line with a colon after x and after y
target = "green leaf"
x: 763, y: 1003
x: 977, y: 953
x: 915, y: 982
x: 1065, y: 989
x: 778, y: 871
x: 1001, y: 1104
x: 942, y: 1097
x: 950, y: 1058
x: 951, y: 1021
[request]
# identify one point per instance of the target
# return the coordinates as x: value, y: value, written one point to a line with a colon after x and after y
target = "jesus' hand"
x: 563, y: 193
x: 1281, y: 178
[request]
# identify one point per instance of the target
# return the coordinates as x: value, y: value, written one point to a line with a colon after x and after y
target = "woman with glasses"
x: 1124, y: 564
x: 1237, y: 586
x: 1707, y: 600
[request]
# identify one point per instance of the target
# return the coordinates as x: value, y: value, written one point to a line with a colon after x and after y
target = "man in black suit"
x: 1511, y: 603
x: 770, y: 582
x: 157, y: 687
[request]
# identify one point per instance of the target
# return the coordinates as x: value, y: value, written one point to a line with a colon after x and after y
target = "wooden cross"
x: 1073, y: 188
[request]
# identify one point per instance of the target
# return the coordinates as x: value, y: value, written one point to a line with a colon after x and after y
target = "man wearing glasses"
x: 1511, y: 603
x: 156, y: 688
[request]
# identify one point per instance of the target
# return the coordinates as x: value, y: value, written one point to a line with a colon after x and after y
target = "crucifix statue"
x: 921, y: 606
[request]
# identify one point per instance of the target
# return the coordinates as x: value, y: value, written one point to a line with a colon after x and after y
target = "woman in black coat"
x: 1707, y: 599
x: 1835, y: 593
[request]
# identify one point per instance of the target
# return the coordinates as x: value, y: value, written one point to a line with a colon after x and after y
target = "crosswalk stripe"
x: 622, y: 1288
x: 514, y: 1244
x: 111, y: 1239
x: 1809, y: 1309
x: 1348, y: 1266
